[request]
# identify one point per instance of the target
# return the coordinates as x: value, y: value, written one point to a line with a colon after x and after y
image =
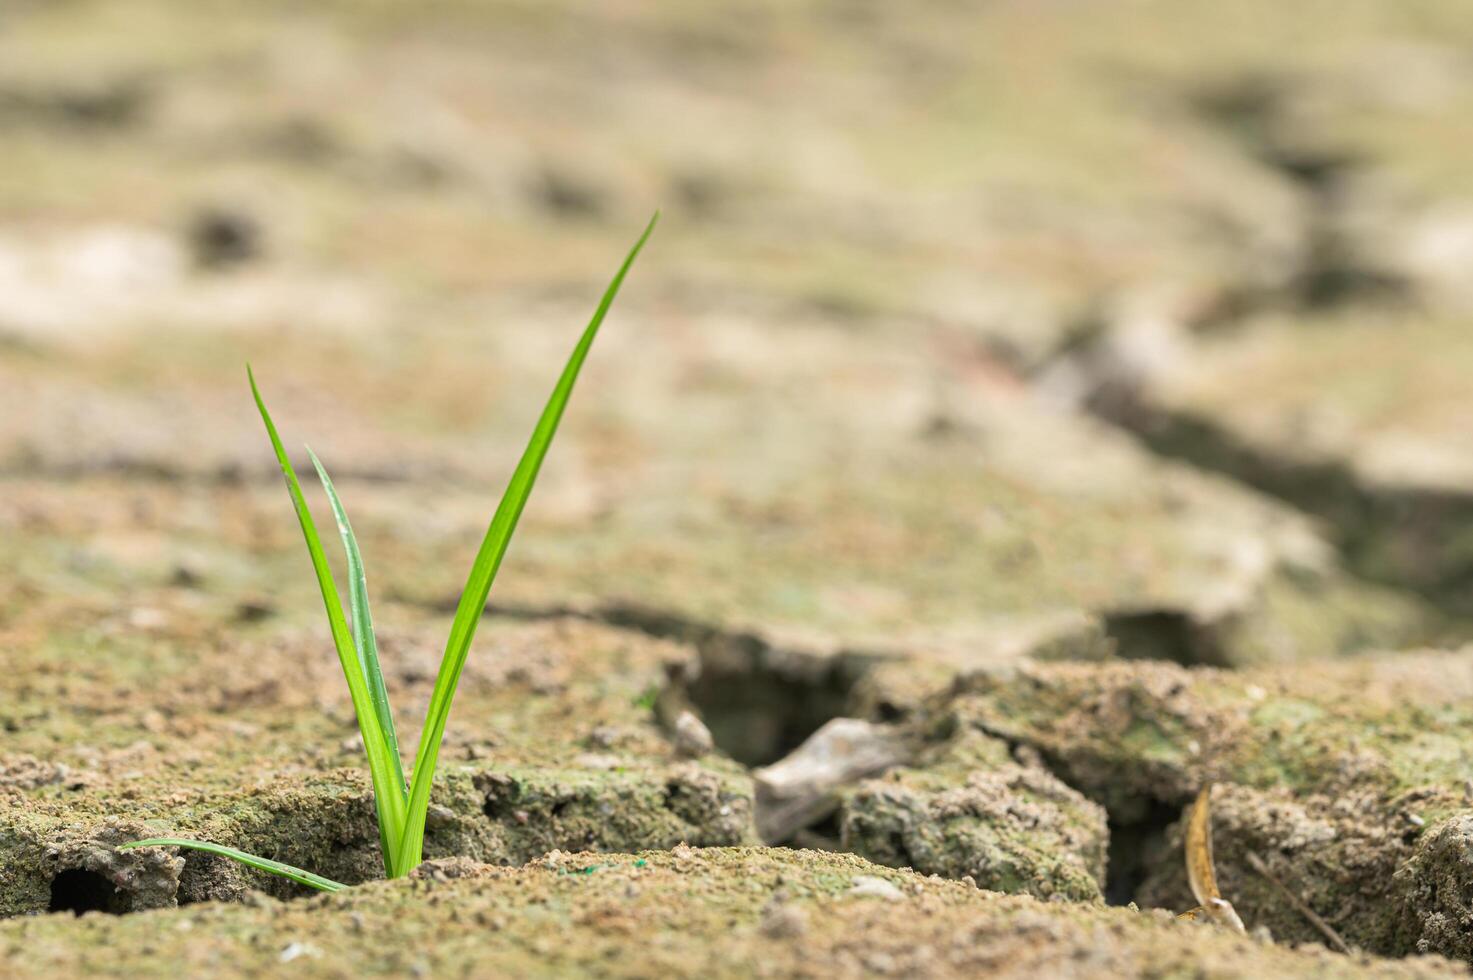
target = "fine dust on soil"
x: 1070, y: 397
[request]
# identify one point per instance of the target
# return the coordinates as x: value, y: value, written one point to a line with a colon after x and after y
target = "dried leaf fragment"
x: 1201, y: 871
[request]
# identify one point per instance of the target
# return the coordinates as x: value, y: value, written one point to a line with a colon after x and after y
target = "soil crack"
x: 758, y: 699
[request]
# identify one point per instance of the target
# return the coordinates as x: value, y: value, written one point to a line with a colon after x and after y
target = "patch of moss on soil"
x: 967, y: 809
x: 1344, y: 780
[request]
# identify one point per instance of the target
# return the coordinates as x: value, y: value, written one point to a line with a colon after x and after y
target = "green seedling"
x: 402, y: 804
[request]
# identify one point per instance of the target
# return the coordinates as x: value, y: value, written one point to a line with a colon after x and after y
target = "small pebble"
x: 872, y: 887
x: 692, y: 737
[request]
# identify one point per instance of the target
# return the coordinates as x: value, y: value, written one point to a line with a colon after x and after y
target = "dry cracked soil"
x: 1025, y: 415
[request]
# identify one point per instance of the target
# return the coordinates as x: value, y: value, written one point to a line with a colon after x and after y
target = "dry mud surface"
x: 1024, y: 416
x: 685, y: 912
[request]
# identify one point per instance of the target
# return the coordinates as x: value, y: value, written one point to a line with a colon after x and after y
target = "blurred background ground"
x: 910, y: 256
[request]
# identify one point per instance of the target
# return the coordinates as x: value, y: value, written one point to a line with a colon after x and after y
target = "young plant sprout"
x: 403, y: 804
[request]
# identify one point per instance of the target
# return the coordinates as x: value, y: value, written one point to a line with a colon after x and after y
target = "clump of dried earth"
x: 1024, y: 416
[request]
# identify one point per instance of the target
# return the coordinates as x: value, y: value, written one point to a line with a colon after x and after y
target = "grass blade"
x: 263, y: 864
x: 388, y: 792
x: 367, y: 646
x: 483, y: 572
x: 362, y: 621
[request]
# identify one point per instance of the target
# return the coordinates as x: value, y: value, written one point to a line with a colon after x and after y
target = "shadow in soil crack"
x: 759, y: 701
x: 79, y: 890
x: 1131, y: 843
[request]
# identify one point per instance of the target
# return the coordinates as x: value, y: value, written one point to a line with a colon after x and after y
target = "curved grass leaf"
x: 388, y: 792
x: 362, y: 621
x: 367, y: 646
x: 263, y: 864
x: 483, y: 572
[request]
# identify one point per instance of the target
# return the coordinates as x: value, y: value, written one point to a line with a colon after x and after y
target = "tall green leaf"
x: 264, y: 864
x: 483, y: 572
x: 362, y: 619
x: 388, y: 787
x: 367, y: 644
